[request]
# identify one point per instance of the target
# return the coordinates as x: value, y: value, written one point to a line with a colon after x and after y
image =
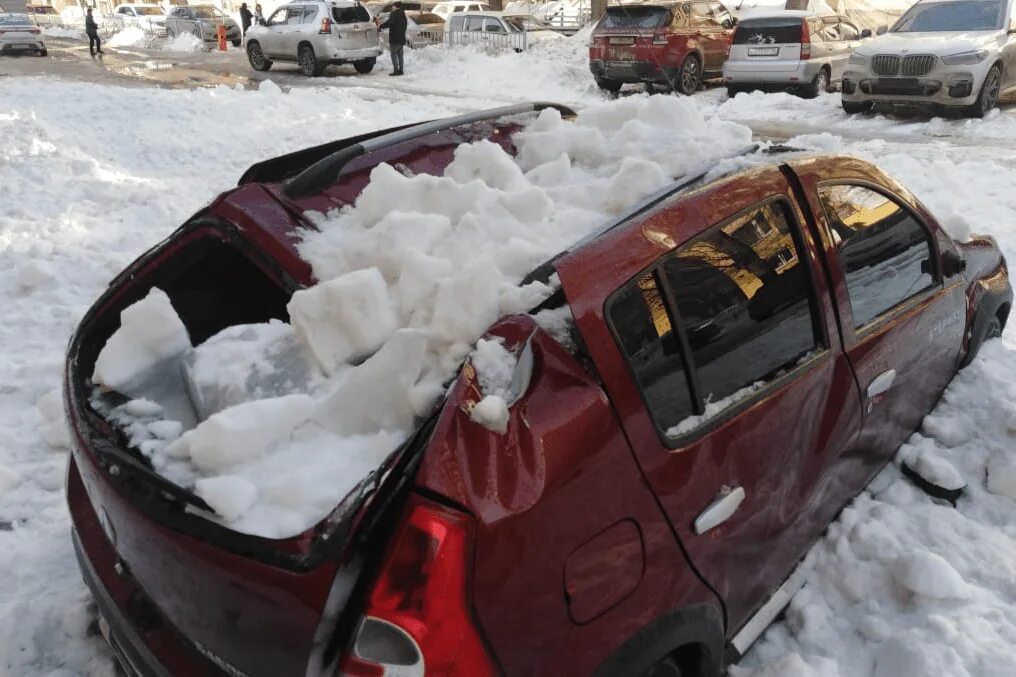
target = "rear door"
x: 771, y: 45
x: 712, y: 332
x: 711, y: 36
x: 355, y: 28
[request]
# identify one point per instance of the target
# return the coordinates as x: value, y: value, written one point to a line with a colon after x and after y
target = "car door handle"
x: 720, y: 510
x: 881, y: 383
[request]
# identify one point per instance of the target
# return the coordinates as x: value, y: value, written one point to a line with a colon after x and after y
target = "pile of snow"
x: 131, y: 36
x: 406, y: 289
x: 62, y: 32
x: 185, y: 42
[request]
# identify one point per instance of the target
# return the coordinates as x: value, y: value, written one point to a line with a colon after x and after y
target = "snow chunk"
x: 243, y: 432
x: 1002, y: 476
x: 150, y: 333
x: 31, y: 275
x: 188, y: 42
x: 142, y: 408
x: 492, y: 413
x: 558, y: 322
x: 8, y: 479
x: 925, y: 573
x: 166, y: 430
x: 938, y: 471
x: 228, y: 495
x: 344, y: 318
x: 495, y: 366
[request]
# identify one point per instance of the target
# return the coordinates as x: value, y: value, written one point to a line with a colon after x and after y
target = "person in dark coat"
x: 396, y: 25
x: 92, y: 30
x: 245, y: 17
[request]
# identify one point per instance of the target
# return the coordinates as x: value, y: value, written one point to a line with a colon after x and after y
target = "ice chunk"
x: 1002, y: 476
x: 345, y: 318
x: 166, y: 430
x: 495, y: 366
x: 8, y: 479
x: 142, y: 408
x: 50, y: 405
x: 243, y: 432
x: 492, y: 413
x: 228, y: 495
x: 928, y: 574
x: 150, y: 333
x: 467, y: 304
x: 938, y: 471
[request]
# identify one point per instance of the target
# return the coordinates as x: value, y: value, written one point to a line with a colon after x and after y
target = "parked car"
x: 497, y: 30
x: 202, y: 21
x: 314, y: 35
x: 814, y: 304
x: 44, y: 15
x: 446, y: 9
x: 20, y: 35
x: 422, y: 29
x: 149, y: 18
x: 674, y: 45
x: 955, y: 55
x: 793, y: 51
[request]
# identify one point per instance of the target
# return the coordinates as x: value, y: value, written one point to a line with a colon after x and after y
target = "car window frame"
x: 284, y: 10
x: 820, y: 354
x: 874, y: 325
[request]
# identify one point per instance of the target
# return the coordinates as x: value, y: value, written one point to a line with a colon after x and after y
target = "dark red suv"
x: 674, y: 45
x: 745, y: 354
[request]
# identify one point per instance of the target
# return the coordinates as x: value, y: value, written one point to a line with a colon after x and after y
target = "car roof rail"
x: 327, y: 170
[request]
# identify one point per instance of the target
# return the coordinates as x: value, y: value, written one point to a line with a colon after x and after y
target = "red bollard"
x: 221, y: 32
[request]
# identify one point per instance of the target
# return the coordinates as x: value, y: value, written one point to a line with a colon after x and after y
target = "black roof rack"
x: 326, y: 171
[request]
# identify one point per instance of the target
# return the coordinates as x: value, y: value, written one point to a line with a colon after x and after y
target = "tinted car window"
x: 646, y: 334
x: 702, y: 14
x: 635, y: 17
x: 309, y: 14
x: 277, y: 18
x: 744, y: 299
x: 350, y: 15
x: 882, y: 249
x: 492, y: 25
x: 768, y: 32
x: 474, y: 23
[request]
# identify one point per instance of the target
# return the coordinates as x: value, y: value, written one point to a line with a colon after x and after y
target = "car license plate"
x: 622, y: 53
x: 624, y: 40
x: 763, y: 51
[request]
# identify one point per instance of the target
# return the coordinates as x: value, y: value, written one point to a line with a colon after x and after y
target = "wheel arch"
x: 693, y: 635
x: 993, y: 303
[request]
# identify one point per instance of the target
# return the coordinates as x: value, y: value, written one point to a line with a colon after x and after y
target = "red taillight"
x: 805, y: 41
x: 34, y: 31
x: 326, y: 26
x: 417, y: 618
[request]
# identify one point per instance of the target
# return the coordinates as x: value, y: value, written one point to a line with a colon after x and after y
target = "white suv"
x: 314, y: 35
x: 958, y: 54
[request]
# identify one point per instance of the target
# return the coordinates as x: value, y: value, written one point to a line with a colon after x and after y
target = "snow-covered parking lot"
x: 91, y: 175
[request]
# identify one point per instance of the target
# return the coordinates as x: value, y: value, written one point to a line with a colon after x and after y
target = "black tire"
x: 689, y: 76
x: 612, y: 86
x: 992, y: 330
x: 668, y: 667
x: 43, y: 52
x: 256, y: 57
x: 987, y: 99
x: 855, y: 107
x: 818, y: 85
x: 733, y: 91
x: 364, y: 66
x: 236, y: 43
x: 309, y: 64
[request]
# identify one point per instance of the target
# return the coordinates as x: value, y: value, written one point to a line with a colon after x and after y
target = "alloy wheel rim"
x: 991, y: 90
x: 823, y: 82
x: 689, y: 75
x: 307, y: 61
x: 256, y: 57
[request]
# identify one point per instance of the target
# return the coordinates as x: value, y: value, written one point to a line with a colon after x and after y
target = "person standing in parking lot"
x: 92, y: 30
x: 245, y: 17
x: 259, y: 17
x: 396, y: 25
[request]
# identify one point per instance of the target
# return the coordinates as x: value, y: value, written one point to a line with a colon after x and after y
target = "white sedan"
x: 20, y: 35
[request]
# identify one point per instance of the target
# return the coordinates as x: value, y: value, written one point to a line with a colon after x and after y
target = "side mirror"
x: 881, y: 30
x: 952, y: 264
x: 729, y: 23
x: 866, y: 33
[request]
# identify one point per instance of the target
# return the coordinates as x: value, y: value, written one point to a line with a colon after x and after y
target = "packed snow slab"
x: 406, y: 288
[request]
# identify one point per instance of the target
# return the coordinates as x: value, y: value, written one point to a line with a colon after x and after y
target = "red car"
x: 746, y: 355
x: 673, y: 45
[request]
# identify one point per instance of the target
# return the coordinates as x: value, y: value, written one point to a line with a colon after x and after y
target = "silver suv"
x: 314, y: 35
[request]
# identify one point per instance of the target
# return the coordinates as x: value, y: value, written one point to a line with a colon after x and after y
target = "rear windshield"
x: 976, y: 15
x: 427, y: 18
x: 768, y: 32
x: 635, y: 17
x: 208, y: 12
x: 15, y: 20
x: 42, y: 10
x: 350, y: 15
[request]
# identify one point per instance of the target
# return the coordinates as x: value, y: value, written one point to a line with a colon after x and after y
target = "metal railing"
x: 487, y: 40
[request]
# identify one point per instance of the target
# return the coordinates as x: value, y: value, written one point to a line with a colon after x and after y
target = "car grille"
x: 885, y: 64
x: 918, y: 65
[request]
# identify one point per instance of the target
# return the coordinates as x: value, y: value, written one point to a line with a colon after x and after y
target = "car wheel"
x: 256, y: 57
x: 236, y: 43
x: 668, y: 667
x: 689, y: 77
x: 992, y: 330
x: 988, y: 98
x: 364, y: 66
x: 309, y: 65
x: 43, y: 52
x: 818, y: 85
x: 855, y: 107
x: 733, y: 91
x: 612, y: 86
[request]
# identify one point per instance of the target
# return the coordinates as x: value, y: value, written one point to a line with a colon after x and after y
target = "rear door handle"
x: 881, y: 383
x: 720, y: 510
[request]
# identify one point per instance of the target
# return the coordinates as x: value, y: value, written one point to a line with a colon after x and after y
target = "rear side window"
x: 768, y: 32
x: 309, y: 13
x: 884, y: 251
x: 735, y: 311
x: 635, y: 17
x: 455, y: 23
x: 350, y: 15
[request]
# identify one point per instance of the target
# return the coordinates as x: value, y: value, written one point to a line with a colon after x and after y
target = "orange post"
x: 221, y: 32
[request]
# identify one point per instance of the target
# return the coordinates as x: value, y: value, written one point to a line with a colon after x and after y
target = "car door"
x: 1009, y: 49
x: 849, y: 37
x: 902, y: 322
x: 713, y: 333
x: 272, y: 38
x: 710, y: 35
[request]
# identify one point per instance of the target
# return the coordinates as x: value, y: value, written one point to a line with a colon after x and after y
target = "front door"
x: 717, y: 342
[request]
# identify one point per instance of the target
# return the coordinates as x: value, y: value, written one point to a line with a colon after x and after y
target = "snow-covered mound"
x: 62, y: 32
x: 185, y: 42
x: 290, y: 417
x: 131, y: 36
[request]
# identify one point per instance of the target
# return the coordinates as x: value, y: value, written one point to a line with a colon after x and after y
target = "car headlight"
x: 965, y: 58
x: 858, y: 59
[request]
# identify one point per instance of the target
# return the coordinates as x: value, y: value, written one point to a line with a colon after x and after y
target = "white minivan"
x: 790, y: 50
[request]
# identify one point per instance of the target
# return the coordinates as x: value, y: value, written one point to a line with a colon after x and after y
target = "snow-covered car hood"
x: 939, y: 43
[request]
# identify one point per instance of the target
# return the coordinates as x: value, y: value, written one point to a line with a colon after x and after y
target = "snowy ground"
x: 899, y: 585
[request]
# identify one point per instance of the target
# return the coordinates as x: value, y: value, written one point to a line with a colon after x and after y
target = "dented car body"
x: 744, y: 355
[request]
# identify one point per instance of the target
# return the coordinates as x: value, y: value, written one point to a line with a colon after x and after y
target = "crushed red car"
x: 675, y: 45
x: 747, y: 353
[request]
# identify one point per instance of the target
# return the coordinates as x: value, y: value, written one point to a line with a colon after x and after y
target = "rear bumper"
x: 22, y: 46
x: 337, y: 56
x: 632, y: 71
x: 745, y: 73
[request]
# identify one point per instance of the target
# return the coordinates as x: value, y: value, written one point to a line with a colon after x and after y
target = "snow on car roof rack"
x: 326, y: 171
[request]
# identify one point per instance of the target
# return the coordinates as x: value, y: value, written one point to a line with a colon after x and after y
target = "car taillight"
x: 326, y: 26
x: 417, y: 620
x: 805, y: 41
x: 659, y: 38
x: 34, y: 31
